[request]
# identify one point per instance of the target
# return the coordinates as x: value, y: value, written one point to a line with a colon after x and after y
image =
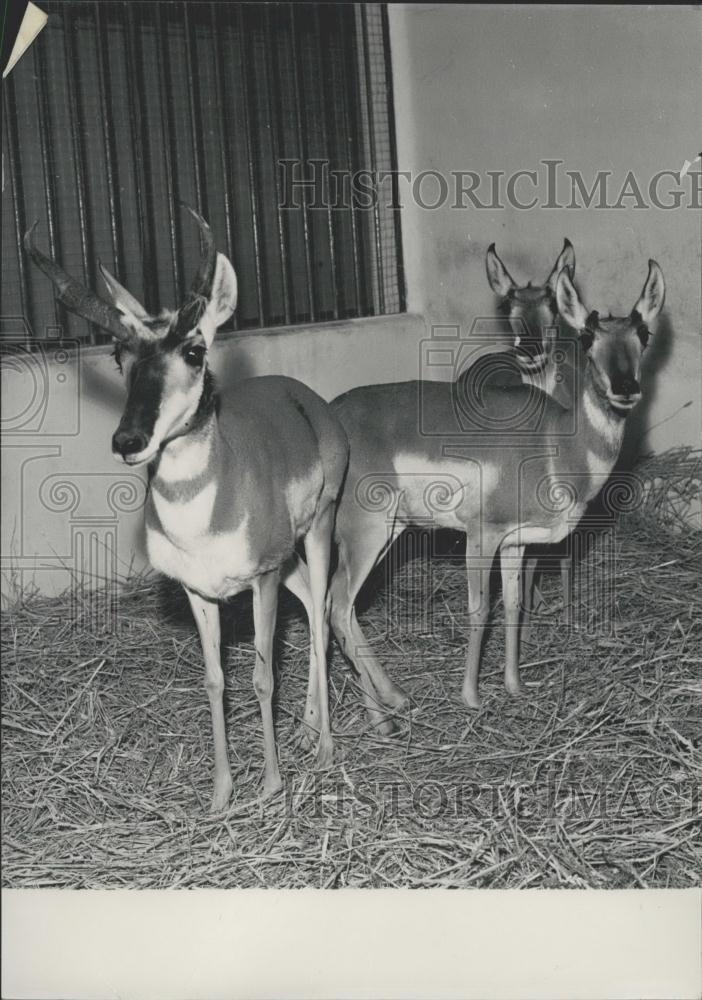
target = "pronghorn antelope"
x: 235, y: 481
x: 505, y: 491
x: 532, y: 312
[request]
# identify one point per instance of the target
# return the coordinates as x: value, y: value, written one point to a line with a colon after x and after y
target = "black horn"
x: 74, y: 296
x: 204, y: 279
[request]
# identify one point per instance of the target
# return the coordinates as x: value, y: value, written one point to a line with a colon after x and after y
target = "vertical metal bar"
x: 373, y: 161
x: 271, y: 84
x: 76, y: 126
x: 349, y: 132
x: 139, y: 137
x: 165, y: 83
x: 253, y: 196
x: 223, y: 138
x: 324, y: 94
x: 302, y: 147
x: 399, y: 258
x: 108, y: 136
x: 10, y: 111
x: 43, y: 117
x: 194, y: 110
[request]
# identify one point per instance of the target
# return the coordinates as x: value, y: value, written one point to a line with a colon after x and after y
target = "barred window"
x: 260, y: 115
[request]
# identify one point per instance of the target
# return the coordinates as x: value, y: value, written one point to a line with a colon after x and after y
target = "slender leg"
x: 265, y: 608
x: 318, y: 549
x: 298, y: 583
x: 360, y: 549
x: 206, y: 615
x: 511, y: 562
x: 530, y: 565
x: 480, y: 554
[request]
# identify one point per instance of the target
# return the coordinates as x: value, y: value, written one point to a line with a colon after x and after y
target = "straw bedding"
x: 593, y: 780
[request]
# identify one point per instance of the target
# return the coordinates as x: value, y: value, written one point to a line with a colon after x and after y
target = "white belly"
x: 215, y: 566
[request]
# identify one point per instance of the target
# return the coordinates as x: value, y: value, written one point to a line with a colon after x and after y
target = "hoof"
x: 517, y: 689
x: 471, y: 699
x: 220, y: 795
x: 270, y: 787
x: 325, y: 752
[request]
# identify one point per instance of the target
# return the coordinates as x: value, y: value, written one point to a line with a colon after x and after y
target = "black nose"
x: 625, y: 385
x: 127, y: 441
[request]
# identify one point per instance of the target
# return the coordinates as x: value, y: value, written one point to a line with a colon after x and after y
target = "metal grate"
x: 121, y: 110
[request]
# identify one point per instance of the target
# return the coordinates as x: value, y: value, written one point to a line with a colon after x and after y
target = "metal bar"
x: 253, y: 196
x: 325, y: 90
x: 225, y: 163
x: 301, y: 145
x: 399, y: 258
x: 169, y: 153
x: 139, y: 136
x: 193, y: 107
x: 373, y: 161
x: 43, y: 117
x: 349, y: 131
x: 76, y: 126
x: 271, y: 81
x: 17, y: 198
x: 108, y: 137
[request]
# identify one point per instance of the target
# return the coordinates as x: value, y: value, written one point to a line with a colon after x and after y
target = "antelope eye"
x: 194, y: 355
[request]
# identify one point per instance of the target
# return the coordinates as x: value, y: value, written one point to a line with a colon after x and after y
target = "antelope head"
x: 532, y: 310
x: 163, y: 356
x: 614, y: 346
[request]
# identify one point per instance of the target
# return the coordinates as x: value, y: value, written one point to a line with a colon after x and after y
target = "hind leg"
x: 297, y: 581
x: 359, y: 550
x: 318, y: 542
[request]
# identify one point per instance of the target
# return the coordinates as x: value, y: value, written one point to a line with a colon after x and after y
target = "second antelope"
x: 235, y: 481
x: 504, y: 489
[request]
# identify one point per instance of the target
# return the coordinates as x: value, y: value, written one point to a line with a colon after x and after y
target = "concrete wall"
x: 502, y: 88
x: 476, y: 89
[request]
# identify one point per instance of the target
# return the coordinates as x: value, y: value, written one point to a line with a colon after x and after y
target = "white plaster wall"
x: 503, y: 87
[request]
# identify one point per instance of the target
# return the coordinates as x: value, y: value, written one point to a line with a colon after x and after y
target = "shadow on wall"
x: 655, y: 358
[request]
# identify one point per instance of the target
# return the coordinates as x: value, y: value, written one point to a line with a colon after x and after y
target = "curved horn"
x: 74, y: 296
x: 203, y: 281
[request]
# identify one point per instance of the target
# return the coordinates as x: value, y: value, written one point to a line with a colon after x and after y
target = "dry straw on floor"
x: 593, y: 780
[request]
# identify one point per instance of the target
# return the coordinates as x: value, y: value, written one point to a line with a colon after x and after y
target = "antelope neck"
x: 187, y: 461
x: 606, y: 424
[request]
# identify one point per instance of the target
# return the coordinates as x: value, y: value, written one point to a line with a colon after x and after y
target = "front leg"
x: 265, y: 608
x: 511, y: 559
x: 206, y: 614
x: 480, y: 553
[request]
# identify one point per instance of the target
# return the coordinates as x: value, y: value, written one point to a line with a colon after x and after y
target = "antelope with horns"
x: 235, y: 481
x: 505, y: 491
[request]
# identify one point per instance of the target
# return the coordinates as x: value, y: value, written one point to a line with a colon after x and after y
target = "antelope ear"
x: 501, y: 281
x: 121, y: 298
x: 653, y: 294
x: 569, y: 305
x: 566, y: 258
x: 223, y: 300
